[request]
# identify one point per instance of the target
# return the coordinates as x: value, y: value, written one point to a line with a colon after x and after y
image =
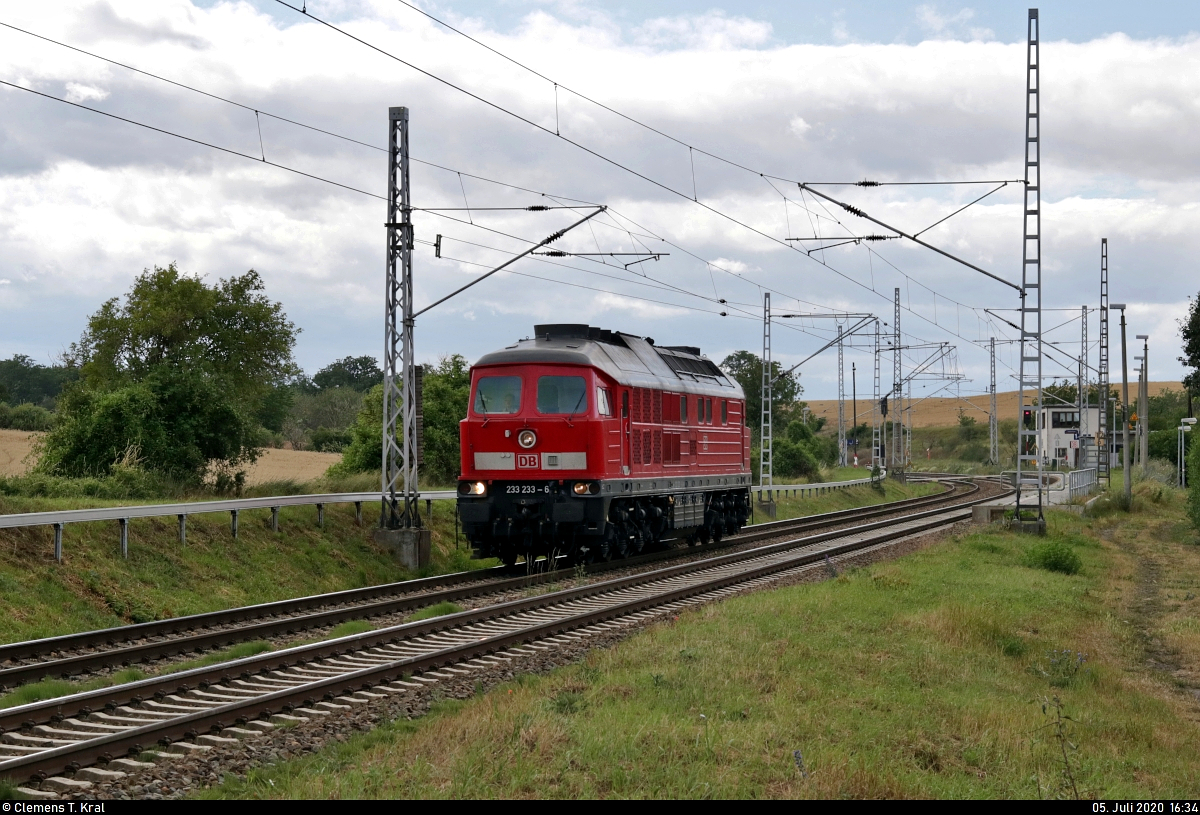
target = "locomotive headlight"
x: 527, y: 438
x: 586, y: 488
x: 478, y: 488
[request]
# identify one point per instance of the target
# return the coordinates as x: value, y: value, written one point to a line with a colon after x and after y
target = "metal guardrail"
x: 807, y: 490
x: 1082, y: 482
x: 233, y: 506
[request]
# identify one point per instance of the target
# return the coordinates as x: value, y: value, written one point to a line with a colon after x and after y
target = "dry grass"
x: 15, y: 445
x: 943, y: 412
x: 272, y: 465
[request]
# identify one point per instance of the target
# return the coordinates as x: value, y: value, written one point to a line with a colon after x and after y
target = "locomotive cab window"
x: 561, y: 394
x: 498, y: 395
x: 603, y: 405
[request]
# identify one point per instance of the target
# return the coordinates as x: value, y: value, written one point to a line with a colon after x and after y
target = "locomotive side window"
x: 603, y: 405
x: 561, y: 394
x: 625, y: 404
x: 724, y: 411
x: 708, y: 411
x: 498, y: 395
x: 683, y: 410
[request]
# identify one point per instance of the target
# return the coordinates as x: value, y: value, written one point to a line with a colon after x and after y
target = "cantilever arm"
x: 913, y: 238
x: 512, y: 260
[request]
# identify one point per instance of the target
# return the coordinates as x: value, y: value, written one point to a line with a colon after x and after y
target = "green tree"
x: 23, y: 380
x: 358, y: 373
x: 446, y: 390
x: 231, y: 333
x: 1189, y: 330
x: 177, y: 378
x: 747, y: 369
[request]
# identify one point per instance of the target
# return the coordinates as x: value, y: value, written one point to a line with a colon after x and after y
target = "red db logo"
x: 527, y: 461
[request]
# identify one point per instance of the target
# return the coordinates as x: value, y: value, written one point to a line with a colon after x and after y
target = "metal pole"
x: 841, y: 401
x: 233, y: 519
x: 765, y: 464
x: 854, y: 405
x: 1084, y: 396
x: 183, y: 529
x: 993, y: 418
x: 1029, y: 453
x: 1104, y: 432
x: 897, y: 388
x: 399, y: 476
x: 124, y: 538
x: 1125, y: 410
x: 876, y: 424
x: 1144, y: 402
x: 58, y: 528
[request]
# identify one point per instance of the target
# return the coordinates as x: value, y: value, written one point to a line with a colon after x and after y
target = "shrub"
x: 792, y: 460
x: 1193, y: 481
x: 324, y: 440
x: 1053, y: 556
x: 30, y: 417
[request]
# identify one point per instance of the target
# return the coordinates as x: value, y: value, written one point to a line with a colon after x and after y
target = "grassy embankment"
x: 942, y: 674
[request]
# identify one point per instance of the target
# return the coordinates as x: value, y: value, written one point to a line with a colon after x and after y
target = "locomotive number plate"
x: 526, y: 489
x: 527, y: 461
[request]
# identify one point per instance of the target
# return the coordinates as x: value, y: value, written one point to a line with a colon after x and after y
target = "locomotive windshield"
x: 561, y: 394
x: 498, y: 394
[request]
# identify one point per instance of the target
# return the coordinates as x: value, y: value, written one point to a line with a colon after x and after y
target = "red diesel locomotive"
x: 597, y: 445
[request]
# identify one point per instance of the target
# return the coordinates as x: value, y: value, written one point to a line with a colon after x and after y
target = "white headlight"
x: 527, y: 438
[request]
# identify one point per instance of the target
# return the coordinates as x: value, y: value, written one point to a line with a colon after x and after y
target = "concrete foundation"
x: 412, y: 547
x: 983, y: 514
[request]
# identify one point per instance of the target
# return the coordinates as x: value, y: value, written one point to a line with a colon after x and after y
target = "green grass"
x: 94, y: 588
x: 937, y: 675
x: 439, y: 610
x: 54, y: 688
x: 349, y: 628
x: 787, y: 506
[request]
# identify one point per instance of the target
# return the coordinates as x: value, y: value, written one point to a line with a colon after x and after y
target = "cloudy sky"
x: 692, y: 122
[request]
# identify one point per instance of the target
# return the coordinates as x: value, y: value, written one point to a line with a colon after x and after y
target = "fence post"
x: 233, y: 515
x: 321, y: 515
x: 124, y: 538
x: 429, y: 510
x: 58, y: 542
x: 274, y: 519
x: 183, y: 529
x: 358, y: 512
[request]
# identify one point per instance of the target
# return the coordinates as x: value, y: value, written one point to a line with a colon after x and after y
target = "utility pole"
x: 399, y: 482
x: 876, y: 424
x: 765, y: 468
x: 1104, y: 432
x: 1084, y: 396
x: 897, y: 391
x: 854, y: 405
x: 841, y: 401
x: 1029, y: 382
x: 1144, y: 403
x: 993, y: 418
x: 1125, y: 409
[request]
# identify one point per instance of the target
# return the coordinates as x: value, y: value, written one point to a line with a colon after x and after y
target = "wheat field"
x: 272, y: 465
x: 943, y: 411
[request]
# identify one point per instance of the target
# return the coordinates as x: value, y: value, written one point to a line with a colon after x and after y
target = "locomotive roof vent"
x: 687, y: 349
x: 576, y: 331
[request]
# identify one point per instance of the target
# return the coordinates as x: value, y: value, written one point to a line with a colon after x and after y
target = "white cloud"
x: 85, y: 93
x: 1118, y: 164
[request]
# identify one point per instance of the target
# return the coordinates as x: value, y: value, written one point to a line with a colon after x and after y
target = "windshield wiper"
x: 577, y: 404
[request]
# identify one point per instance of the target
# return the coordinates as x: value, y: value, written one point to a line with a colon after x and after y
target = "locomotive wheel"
x: 508, y: 557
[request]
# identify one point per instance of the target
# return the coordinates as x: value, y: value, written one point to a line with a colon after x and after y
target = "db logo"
x: 527, y: 461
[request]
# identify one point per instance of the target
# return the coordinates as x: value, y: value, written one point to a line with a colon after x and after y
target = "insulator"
x: 875, y: 237
x: 853, y: 210
x: 867, y: 183
x: 554, y: 253
x: 538, y: 208
x: 555, y: 236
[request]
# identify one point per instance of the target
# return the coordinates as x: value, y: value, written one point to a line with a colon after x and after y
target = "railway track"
x: 111, y: 649
x: 205, y: 708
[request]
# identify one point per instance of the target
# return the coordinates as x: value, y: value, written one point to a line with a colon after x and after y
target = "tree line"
x: 192, y: 380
